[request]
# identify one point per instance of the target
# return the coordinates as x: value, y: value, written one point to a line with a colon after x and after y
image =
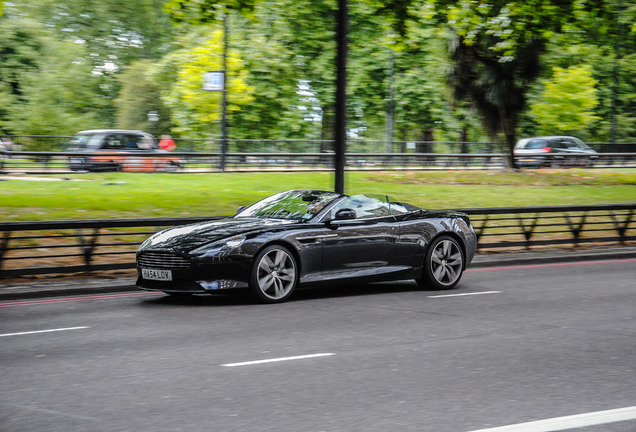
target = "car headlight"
x: 221, y: 247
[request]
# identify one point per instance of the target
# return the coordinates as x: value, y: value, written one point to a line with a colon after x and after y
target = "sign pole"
x: 341, y: 95
x: 224, y: 101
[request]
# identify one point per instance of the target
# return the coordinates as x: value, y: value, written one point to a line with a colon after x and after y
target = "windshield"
x: 293, y: 205
x: 372, y: 206
x: 87, y: 141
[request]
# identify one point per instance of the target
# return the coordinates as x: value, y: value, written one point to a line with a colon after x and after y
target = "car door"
x: 137, y: 160
x: 363, y: 246
x: 109, y: 155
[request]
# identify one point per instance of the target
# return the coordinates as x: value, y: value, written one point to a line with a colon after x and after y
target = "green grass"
x: 139, y: 195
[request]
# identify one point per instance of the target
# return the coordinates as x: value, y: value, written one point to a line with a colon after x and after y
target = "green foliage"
x: 20, y: 48
x: 194, y: 110
x: 46, y: 80
x: 277, y: 110
x: 116, y: 60
x: 496, y: 55
x: 205, y: 11
x: 567, y: 102
x: 138, y: 96
x: 113, y: 33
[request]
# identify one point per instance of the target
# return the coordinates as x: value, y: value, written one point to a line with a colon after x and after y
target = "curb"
x: 550, y: 257
x: 63, y: 287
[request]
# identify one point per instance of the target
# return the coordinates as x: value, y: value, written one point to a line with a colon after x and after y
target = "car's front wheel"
x: 443, y: 264
x: 274, y: 275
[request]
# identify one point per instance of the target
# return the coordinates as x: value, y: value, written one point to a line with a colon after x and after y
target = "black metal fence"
x: 64, y: 247
x: 69, y: 162
x: 60, y: 143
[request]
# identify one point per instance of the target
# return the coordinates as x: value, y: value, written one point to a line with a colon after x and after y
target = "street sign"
x: 213, y: 81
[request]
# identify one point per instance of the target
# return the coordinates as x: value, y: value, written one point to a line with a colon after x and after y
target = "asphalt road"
x: 508, y: 346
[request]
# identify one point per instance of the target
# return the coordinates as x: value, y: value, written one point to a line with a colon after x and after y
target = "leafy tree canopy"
x: 194, y: 109
x: 567, y: 101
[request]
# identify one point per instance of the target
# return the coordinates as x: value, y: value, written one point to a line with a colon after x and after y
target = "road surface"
x: 552, y: 344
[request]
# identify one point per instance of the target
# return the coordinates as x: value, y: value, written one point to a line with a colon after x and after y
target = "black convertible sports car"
x: 304, y: 237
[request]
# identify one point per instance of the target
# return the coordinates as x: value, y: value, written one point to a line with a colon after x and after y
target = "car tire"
x: 443, y: 264
x: 173, y: 167
x: 274, y: 275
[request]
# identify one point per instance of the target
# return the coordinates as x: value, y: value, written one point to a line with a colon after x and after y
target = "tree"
x: 496, y: 50
x: 279, y: 109
x: 182, y: 71
x: 114, y: 33
x: 567, y: 101
x: 46, y: 84
x: 20, y: 49
x: 140, y: 95
x: 496, y: 53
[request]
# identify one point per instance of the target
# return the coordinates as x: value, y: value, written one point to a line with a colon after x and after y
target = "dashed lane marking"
x: 464, y: 294
x: 44, y: 331
x: 280, y: 359
x: 570, y: 422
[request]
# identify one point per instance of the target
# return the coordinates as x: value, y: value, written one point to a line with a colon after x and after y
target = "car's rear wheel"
x: 274, y: 275
x: 173, y: 167
x: 443, y: 264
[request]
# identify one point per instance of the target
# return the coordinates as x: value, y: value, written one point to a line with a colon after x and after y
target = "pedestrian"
x: 167, y: 143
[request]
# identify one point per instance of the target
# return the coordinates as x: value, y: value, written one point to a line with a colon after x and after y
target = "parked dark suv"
x: 554, y: 151
x: 119, y: 150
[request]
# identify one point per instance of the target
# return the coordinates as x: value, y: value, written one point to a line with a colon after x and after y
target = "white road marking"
x: 280, y: 359
x: 570, y: 422
x: 43, y: 331
x: 54, y: 412
x: 465, y: 294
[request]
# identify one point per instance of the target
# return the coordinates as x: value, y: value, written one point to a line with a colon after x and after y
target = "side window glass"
x: 145, y: 143
x: 536, y: 144
x: 113, y: 142
x: 365, y: 207
x: 132, y: 142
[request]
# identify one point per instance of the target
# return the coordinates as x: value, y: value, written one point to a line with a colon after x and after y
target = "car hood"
x: 188, y: 237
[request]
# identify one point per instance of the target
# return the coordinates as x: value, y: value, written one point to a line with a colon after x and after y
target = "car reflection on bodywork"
x: 304, y: 237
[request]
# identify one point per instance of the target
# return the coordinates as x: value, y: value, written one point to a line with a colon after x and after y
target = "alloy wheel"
x: 276, y: 274
x: 447, y: 262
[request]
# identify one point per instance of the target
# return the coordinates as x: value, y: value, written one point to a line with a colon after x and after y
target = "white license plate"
x: 158, y: 275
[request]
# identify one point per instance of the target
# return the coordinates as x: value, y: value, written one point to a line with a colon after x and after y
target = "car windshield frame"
x: 371, y: 206
x: 296, y: 205
x: 322, y: 206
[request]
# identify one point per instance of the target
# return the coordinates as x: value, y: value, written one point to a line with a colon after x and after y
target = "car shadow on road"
x: 313, y: 293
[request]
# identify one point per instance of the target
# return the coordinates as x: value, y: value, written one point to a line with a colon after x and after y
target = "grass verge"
x: 139, y: 195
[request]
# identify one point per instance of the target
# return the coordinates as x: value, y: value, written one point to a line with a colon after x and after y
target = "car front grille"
x: 163, y: 260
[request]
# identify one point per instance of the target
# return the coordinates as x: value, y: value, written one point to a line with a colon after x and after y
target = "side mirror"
x: 345, y: 214
x: 240, y: 209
